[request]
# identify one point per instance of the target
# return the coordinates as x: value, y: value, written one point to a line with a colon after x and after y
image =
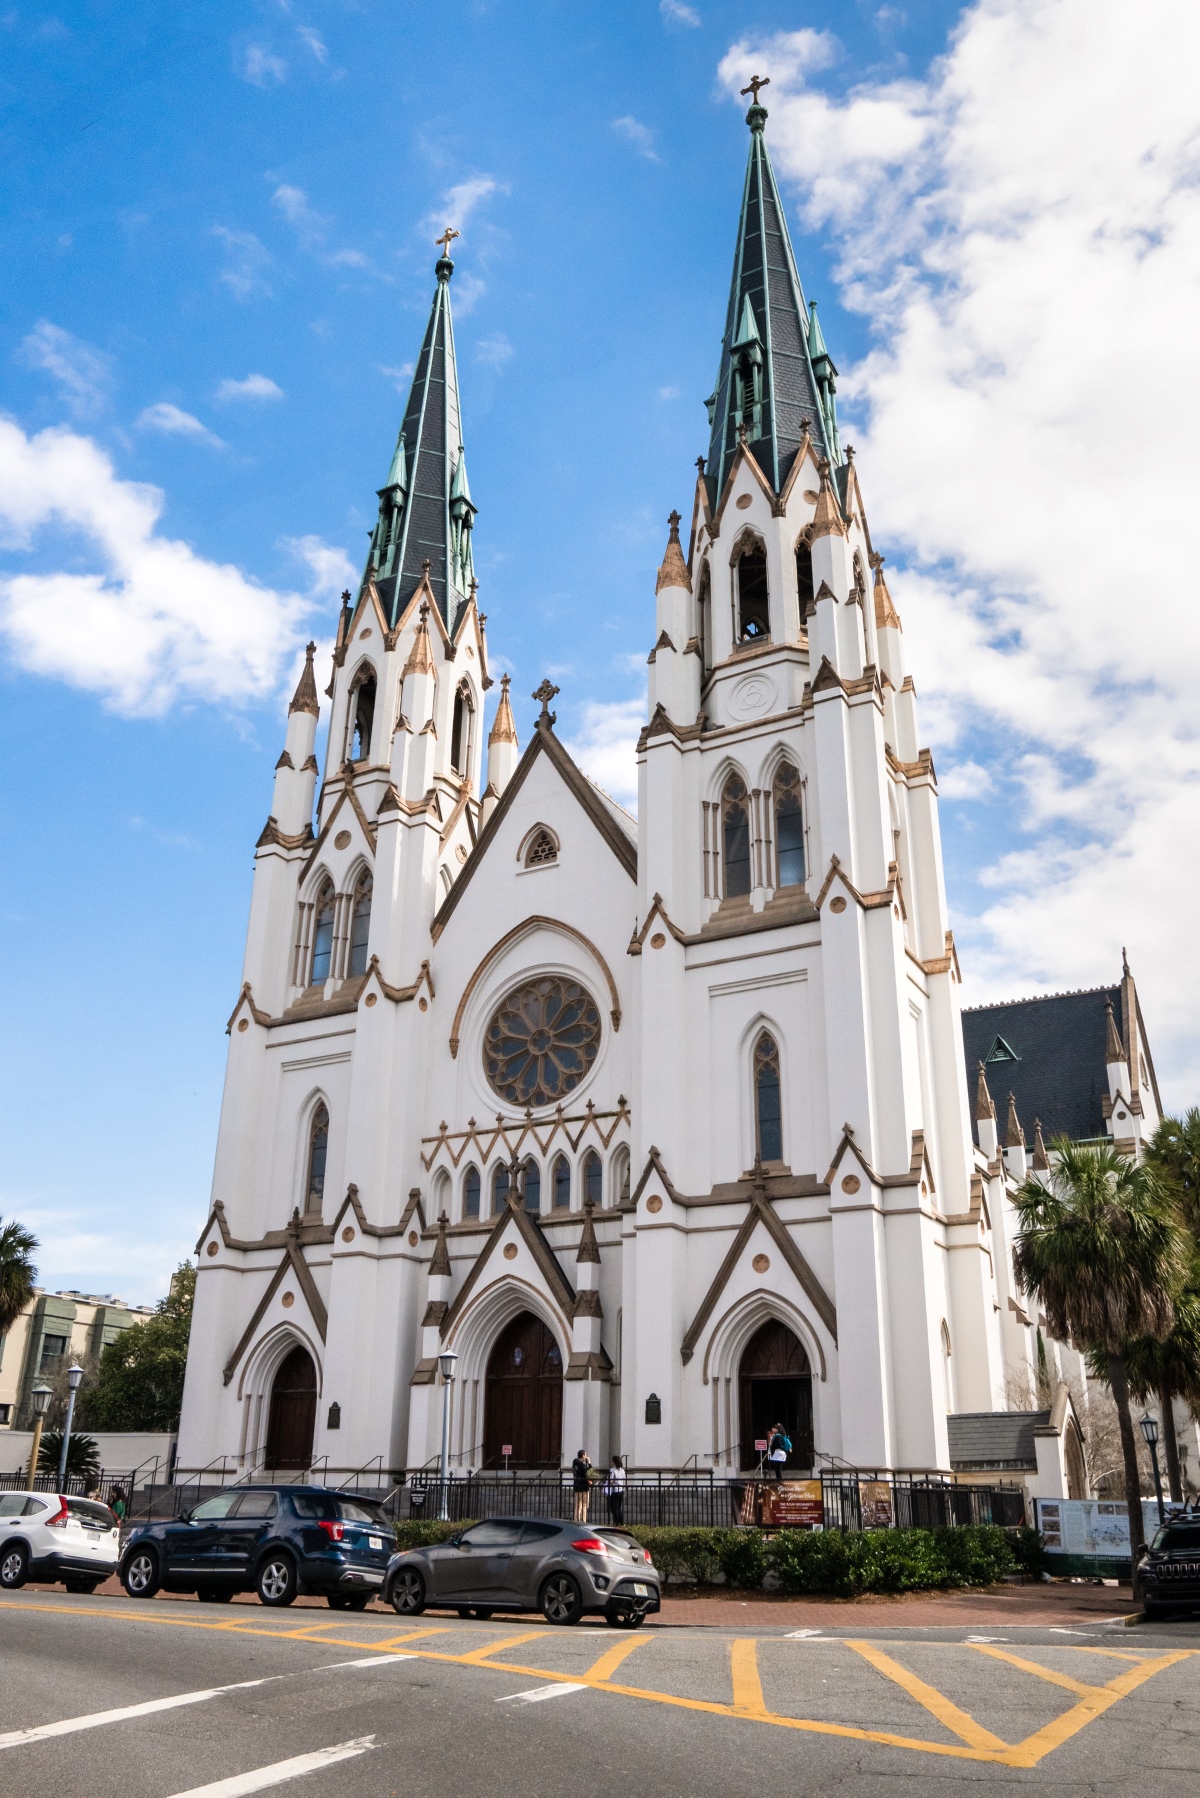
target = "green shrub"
x: 1029, y: 1551
x: 898, y: 1560
x: 743, y: 1555
x: 686, y: 1554
x: 423, y: 1532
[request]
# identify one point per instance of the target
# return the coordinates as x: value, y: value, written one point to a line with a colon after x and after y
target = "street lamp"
x: 40, y: 1397
x: 446, y: 1362
x: 74, y: 1375
x: 1149, y: 1429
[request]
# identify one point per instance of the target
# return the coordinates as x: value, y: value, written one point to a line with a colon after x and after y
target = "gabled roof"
x: 1059, y: 1074
x: 997, y: 1441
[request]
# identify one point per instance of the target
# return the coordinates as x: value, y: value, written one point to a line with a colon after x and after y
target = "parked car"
x: 46, y: 1536
x: 563, y: 1570
x: 1171, y: 1568
x: 278, y: 1541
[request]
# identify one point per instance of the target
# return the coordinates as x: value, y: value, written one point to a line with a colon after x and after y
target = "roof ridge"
x: 1069, y: 992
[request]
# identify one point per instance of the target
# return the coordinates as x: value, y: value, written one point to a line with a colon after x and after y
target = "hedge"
x: 893, y: 1560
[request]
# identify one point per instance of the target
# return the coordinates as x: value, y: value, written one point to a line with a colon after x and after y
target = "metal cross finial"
x: 545, y: 693
x: 446, y: 239
x: 756, y: 81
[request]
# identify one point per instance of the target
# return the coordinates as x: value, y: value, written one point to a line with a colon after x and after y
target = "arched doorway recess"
x: 775, y: 1386
x: 523, y: 1402
x: 293, y: 1414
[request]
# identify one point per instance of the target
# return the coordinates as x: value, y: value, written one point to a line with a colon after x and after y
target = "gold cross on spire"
x: 756, y: 81
x: 446, y: 239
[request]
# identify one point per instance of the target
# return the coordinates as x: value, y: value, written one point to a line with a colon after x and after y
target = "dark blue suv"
x: 277, y: 1541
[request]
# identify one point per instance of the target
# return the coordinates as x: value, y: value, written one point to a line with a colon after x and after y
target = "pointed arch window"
x: 804, y: 579
x: 471, y: 1193
x: 322, y: 949
x: 542, y: 850
x: 460, y: 731
x: 360, y: 924
x: 562, y: 1184
x: 789, y: 827
x: 768, y: 1119
x: 593, y: 1178
x: 703, y: 602
x: 318, y: 1152
x: 735, y: 837
x: 532, y: 1185
x: 363, y: 719
x: 499, y: 1189
x: 754, y: 611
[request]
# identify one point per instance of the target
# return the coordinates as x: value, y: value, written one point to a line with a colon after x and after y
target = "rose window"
x: 541, y: 1041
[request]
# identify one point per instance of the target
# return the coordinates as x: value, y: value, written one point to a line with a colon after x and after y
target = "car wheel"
x: 14, y: 1566
x: 140, y: 1575
x: 625, y: 1619
x: 561, y: 1600
x: 277, y: 1580
x: 407, y: 1594
x: 214, y: 1595
x: 348, y: 1601
x: 1153, y: 1611
x: 483, y: 1612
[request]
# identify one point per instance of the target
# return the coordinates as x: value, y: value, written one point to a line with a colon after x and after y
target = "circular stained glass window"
x: 541, y: 1041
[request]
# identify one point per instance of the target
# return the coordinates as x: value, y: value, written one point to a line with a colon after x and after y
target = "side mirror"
x: 184, y: 1517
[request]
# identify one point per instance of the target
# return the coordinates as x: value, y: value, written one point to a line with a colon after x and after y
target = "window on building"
x: 754, y: 612
x: 318, y: 1152
x: 363, y: 719
x: 789, y: 827
x: 767, y: 1108
x: 532, y: 1183
x: 562, y: 1184
x: 360, y: 925
x: 322, y: 950
x: 735, y: 837
x: 593, y: 1178
x: 804, y: 578
x: 471, y: 1193
x: 542, y: 850
x: 53, y: 1350
x: 499, y: 1189
x: 460, y: 731
x: 703, y: 600
x: 5, y: 1415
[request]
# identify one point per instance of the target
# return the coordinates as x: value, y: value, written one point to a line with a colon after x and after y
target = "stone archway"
x: 523, y: 1398
x: 292, y: 1418
x: 775, y: 1386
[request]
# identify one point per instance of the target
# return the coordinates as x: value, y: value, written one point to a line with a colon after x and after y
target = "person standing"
x: 614, y: 1491
x: 581, y: 1482
x: 778, y: 1449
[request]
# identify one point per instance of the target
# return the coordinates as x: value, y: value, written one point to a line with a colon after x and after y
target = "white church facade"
x: 660, y: 1126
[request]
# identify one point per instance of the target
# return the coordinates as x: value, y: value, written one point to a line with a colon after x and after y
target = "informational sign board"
x: 795, y: 1503
x: 1097, y: 1527
x: 760, y: 1445
x: 506, y: 1449
x: 875, y: 1503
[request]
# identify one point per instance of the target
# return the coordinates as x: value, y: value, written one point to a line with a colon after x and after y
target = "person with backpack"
x: 581, y: 1482
x: 614, y: 1491
x: 778, y: 1449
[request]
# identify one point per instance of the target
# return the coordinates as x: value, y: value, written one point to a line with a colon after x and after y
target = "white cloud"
x: 245, y: 273
x: 494, y: 352
x: 400, y: 378
x: 149, y: 623
x: 315, y: 42
x: 668, y: 393
x: 639, y: 135
x: 84, y: 374
x: 175, y: 423
x: 1022, y: 229
x: 605, y: 746
x: 330, y: 568
x: 293, y: 203
x: 964, y: 780
x: 676, y: 13
x: 460, y: 201
x: 254, y: 387
x: 261, y: 68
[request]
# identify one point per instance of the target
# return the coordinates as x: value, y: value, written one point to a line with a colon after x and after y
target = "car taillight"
x: 335, y: 1531
x: 59, y: 1520
x: 590, y: 1545
x: 646, y: 1557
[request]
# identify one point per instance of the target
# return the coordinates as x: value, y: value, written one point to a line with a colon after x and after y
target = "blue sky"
x: 218, y: 231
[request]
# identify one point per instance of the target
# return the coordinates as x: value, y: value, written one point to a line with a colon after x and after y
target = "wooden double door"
x: 775, y: 1386
x: 292, y: 1418
x: 523, y: 1399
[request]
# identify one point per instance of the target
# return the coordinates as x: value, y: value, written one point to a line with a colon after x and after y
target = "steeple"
x: 426, y: 513
x: 775, y: 371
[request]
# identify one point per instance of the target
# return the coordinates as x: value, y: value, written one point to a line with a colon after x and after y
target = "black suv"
x: 1171, y: 1569
x: 277, y: 1541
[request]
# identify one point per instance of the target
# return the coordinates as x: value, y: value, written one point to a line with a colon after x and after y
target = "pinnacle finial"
x: 701, y: 464
x: 545, y: 693
x: 1041, y: 1160
x: 305, y: 697
x: 1112, y: 1046
x: 1014, y: 1136
x: 756, y: 118
x: 984, y: 1108
x: 504, y: 729
x: 674, y: 570
x: 1124, y: 962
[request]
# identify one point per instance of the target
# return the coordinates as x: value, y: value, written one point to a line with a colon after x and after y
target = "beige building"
x: 55, y: 1329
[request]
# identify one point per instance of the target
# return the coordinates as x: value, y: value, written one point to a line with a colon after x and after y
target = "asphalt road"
x: 102, y: 1696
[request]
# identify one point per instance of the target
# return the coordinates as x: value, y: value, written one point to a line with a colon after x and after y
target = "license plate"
x: 641, y: 1591
x: 375, y: 1541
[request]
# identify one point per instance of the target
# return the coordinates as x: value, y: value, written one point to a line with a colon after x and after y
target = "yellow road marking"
x: 1117, y: 1654
x: 478, y: 1656
x: 748, y: 1698
x: 612, y: 1657
x: 935, y: 1702
x: 413, y: 1635
x: 1029, y: 1752
x: 1055, y: 1679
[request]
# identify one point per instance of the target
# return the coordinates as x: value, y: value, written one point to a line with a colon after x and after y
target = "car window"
x: 1177, y: 1537
x: 351, y: 1510
x: 89, y: 1509
x: 35, y: 1507
x: 316, y: 1505
x: 257, y: 1504
x: 540, y: 1532
x: 12, y: 1504
x: 213, y: 1508
x: 620, y: 1538
x: 498, y: 1533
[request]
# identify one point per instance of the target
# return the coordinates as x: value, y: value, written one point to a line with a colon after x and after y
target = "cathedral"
x: 659, y: 1127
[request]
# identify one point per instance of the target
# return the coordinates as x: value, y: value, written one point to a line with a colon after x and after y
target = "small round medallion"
x: 761, y: 1263
x: 851, y: 1183
x: 658, y: 940
x: 424, y: 1004
x: 413, y: 1239
x: 371, y: 999
x: 347, y: 1234
x: 753, y: 697
x: 744, y: 500
x: 365, y: 632
x: 838, y: 904
x: 510, y: 1251
x: 342, y: 840
x: 654, y: 1204
x: 212, y: 1248
x: 924, y: 1190
x: 243, y: 1024
x: 288, y: 1300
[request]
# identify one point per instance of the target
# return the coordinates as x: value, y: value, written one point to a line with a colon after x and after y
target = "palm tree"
x: 1170, y: 1369
x: 1102, y: 1247
x: 1175, y: 1151
x: 17, y: 1272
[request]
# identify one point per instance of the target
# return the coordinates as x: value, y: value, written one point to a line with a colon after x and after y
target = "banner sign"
x: 875, y: 1503
x: 797, y: 1503
x: 1090, y: 1526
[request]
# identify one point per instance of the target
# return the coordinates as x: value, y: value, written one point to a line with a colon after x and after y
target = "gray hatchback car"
x: 563, y: 1570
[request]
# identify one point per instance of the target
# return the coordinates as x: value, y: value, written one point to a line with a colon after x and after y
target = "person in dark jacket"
x: 581, y: 1482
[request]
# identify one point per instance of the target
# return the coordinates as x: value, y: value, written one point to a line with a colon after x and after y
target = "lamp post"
x: 1149, y: 1429
x: 74, y: 1375
x: 40, y: 1397
x: 446, y: 1362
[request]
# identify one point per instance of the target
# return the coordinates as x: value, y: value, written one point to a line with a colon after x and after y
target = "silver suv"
x: 563, y: 1570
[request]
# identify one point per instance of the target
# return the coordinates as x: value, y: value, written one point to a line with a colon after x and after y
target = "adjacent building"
x: 55, y: 1329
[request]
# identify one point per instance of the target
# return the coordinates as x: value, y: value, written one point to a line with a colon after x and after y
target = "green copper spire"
x: 766, y: 380
x: 425, y: 508
x: 826, y: 378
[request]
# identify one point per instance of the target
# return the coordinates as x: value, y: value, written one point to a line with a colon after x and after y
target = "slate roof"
x: 1059, y: 1074
x: 996, y: 1441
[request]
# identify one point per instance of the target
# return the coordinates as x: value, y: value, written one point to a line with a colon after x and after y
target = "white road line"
x: 986, y: 1638
x: 558, y: 1690
x: 371, y: 1660
x: 261, y: 1777
x: 68, y: 1726
x: 804, y: 1635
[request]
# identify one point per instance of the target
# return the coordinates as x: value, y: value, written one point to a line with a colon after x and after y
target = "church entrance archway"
x: 523, y: 1402
x: 775, y: 1386
x: 293, y: 1414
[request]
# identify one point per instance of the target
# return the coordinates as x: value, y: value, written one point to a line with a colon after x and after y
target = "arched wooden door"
x: 523, y: 1402
x: 775, y: 1386
x: 293, y: 1414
